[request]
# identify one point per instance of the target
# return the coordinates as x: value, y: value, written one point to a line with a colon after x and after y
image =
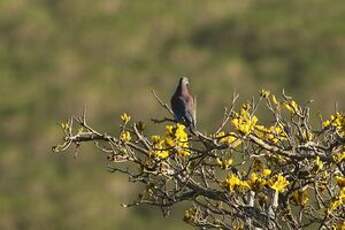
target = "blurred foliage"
x: 56, y: 56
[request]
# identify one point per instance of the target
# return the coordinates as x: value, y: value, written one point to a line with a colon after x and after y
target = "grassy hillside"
x: 57, y: 56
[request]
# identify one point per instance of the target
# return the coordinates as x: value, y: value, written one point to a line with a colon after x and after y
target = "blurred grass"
x: 56, y: 56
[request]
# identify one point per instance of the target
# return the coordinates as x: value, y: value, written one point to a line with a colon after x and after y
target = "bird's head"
x: 184, y: 81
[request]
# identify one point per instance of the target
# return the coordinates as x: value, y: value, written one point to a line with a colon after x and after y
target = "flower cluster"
x: 229, y: 139
x: 125, y: 136
x: 279, y: 183
x: 244, y: 122
x: 273, y: 134
x: 224, y: 163
x: 125, y: 118
x: 259, y: 178
x: 338, y: 122
x: 256, y: 181
x: 234, y: 183
x: 175, y: 140
x: 292, y: 106
x: 301, y: 197
x: 339, y: 200
x: 264, y: 93
x: 190, y: 215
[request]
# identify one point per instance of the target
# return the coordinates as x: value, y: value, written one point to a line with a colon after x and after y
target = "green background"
x: 58, y: 55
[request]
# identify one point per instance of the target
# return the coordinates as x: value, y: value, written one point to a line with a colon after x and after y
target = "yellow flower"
x: 232, y: 183
x: 125, y: 118
x: 264, y: 93
x: 170, y: 142
x: 228, y: 139
x: 244, y: 122
x: 224, y: 164
x: 273, y: 134
x: 125, y: 136
x: 318, y: 163
x: 175, y: 140
x: 301, y: 197
x: 292, y: 106
x: 255, y: 181
x: 190, y: 215
x: 339, y: 226
x: 169, y: 129
x: 338, y: 122
x: 181, y: 134
x: 274, y: 100
x: 326, y: 123
x: 266, y: 172
x: 155, y: 139
x: 183, y: 152
x: 64, y: 126
x: 159, y: 149
x: 279, y: 183
x: 162, y: 154
x: 338, y: 201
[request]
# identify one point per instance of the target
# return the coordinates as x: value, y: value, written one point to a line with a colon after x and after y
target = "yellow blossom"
x: 155, y: 139
x: 175, y: 140
x: 318, y: 163
x: 225, y: 163
x: 162, y: 154
x: 125, y: 136
x: 338, y: 201
x: 326, y: 123
x: 159, y: 148
x: 279, y: 183
x: 181, y: 134
x: 338, y: 122
x: 339, y: 226
x: 170, y: 142
x: 256, y: 181
x: 233, y: 183
x: 273, y: 134
x: 274, y: 100
x: 183, y: 152
x: 301, y: 197
x: 264, y: 93
x: 228, y: 139
x: 169, y: 129
x: 266, y: 172
x: 125, y: 118
x: 292, y: 106
x: 244, y: 122
x: 65, y: 126
x: 190, y: 215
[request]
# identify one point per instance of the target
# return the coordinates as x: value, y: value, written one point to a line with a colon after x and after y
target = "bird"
x: 183, y: 104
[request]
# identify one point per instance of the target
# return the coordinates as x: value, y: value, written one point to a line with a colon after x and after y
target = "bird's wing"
x: 189, y: 111
x: 178, y: 107
x: 182, y: 108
